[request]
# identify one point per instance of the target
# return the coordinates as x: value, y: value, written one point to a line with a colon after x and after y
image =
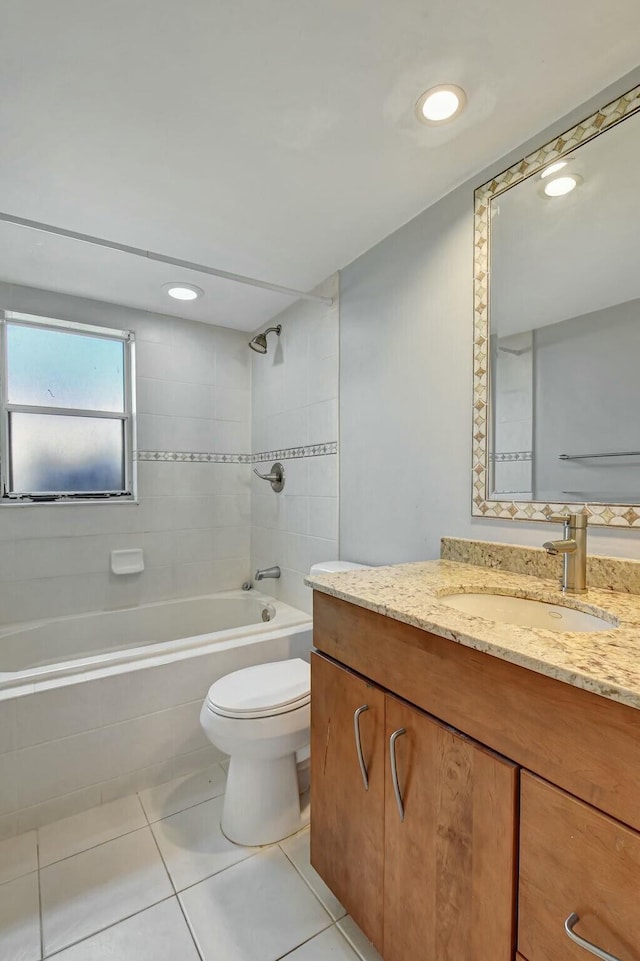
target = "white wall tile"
x: 57, y: 808
x: 61, y: 712
x: 323, y: 421
x: 323, y: 476
x: 323, y: 517
x: 7, y: 725
x: 294, y: 402
x: 232, y: 404
x: 8, y: 783
x: 193, y: 400
x: 8, y: 826
x: 154, y: 397
x: 19, y: 920
x: 193, y: 395
x: 7, y: 560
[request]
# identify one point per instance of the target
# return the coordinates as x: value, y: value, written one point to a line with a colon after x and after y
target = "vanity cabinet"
x: 347, y: 840
x: 519, y: 796
x: 575, y: 860
x: 413, y: 824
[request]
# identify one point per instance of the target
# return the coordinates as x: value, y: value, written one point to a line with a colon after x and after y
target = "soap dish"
x: 127, y: 561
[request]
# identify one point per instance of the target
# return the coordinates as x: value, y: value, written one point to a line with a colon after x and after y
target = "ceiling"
x: 274, y: 139
x: 556, y: 258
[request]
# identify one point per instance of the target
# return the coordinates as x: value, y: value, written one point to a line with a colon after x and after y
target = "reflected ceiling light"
x: 559, y: 186
x: 553, y: 168
x: 183, y: 291
x: 441, y: 103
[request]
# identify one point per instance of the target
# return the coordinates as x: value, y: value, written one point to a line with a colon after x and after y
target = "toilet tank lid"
x: 336, y: 567
x: 262, y: 687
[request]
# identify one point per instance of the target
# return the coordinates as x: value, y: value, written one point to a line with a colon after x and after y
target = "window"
x: 67, y: 424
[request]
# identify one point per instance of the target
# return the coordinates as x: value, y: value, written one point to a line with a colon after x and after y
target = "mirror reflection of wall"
x: 565, y: 330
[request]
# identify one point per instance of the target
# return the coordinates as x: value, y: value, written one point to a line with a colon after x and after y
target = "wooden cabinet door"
x: 347, y: 821
x: 574, y: 860
x: 450, y: 864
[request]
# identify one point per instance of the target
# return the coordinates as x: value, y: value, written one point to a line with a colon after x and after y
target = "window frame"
x: 127, y: 415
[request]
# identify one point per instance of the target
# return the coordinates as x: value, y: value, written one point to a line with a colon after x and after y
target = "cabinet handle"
x: 394, y: 769
x: 356, y: 728
x: 569, y: 925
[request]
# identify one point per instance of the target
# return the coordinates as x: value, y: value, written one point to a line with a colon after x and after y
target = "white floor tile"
x: 89, y: 891
x: 20, y: 919
x: 328, y: 946
x: 158, y: 934
x: 89, y: 828
x: 194, y: 847
x: 167, y: 799
x: 358, y: 941
x: 297, y: 850
x: 255, y: 911
x: 18, y: 856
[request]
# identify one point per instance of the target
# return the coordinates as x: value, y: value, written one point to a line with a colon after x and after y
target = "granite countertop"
x: 603, y: 662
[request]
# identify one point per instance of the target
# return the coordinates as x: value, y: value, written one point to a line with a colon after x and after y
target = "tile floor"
x: 151, y: 878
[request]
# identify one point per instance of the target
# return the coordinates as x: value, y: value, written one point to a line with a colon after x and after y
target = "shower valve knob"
x: 275, y: 477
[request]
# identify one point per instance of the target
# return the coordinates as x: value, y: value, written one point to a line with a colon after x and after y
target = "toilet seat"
x: 264, y: 690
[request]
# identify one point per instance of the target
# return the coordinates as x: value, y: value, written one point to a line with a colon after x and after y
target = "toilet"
x: 261, y: 716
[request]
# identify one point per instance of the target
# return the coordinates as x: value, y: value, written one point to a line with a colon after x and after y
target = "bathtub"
x: 96, y: 706
x: 34, y: 654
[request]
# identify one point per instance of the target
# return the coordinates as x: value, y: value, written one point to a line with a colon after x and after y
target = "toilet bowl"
x: 261, y: 717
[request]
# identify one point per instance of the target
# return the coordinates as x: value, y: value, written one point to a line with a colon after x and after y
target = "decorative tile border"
x: 191, y: 457
x: 311, y: 450
x: 204, y: 457
x: 612, y: 515
x: 511, y: 455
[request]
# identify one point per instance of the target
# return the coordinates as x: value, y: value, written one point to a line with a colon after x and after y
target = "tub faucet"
x: 573, y: 548
x: 267, y: 572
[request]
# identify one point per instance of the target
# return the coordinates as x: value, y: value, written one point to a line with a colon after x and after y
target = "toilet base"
x: 261, y: 802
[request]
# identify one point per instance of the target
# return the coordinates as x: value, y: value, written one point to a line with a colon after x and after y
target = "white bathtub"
x: 96, y: 706
x: 99, y: 643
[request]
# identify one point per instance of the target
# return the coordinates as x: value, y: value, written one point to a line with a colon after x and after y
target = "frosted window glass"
x: 52, y: 368
x: 54, y: 453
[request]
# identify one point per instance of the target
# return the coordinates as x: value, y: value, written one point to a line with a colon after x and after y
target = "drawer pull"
x: 569, y: 925
x: 356, y: 728
x: 394, y: 769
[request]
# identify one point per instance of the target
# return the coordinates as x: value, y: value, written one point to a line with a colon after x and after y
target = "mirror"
x: 557, y: 327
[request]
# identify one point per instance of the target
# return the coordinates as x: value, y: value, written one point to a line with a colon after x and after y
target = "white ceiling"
x: 556, y: 258
x: 271, y: 139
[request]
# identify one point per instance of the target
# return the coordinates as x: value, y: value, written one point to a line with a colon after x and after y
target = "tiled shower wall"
x: 192, y: 520
x: 295, y: 416
x: 513, y: 413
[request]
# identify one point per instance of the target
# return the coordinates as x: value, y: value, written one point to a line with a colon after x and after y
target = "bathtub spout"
x: 267, y: 572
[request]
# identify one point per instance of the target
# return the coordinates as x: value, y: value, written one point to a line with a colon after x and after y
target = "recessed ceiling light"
x: 441, y: 103
x: 553, y: 168
x: 183, y: 291
x: 559, y: 186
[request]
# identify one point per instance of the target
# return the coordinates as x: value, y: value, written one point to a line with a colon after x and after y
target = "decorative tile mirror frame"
x: 613, y: 515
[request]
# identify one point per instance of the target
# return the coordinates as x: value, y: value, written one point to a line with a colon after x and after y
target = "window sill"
x: 93, y: 502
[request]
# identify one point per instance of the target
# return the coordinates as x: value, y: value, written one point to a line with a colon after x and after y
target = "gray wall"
x: 406, y: 314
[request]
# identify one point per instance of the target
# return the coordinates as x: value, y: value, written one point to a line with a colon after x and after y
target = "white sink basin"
x: 525, y: 613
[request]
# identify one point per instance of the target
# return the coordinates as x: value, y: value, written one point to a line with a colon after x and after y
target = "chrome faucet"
x: 267, y: 572
x: 573, y: 548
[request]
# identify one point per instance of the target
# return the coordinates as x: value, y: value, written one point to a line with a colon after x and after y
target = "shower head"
x: 259, y: 342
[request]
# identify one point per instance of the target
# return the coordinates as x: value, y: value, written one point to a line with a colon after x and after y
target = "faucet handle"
x: 577, y: 520
x: 564, y: 519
